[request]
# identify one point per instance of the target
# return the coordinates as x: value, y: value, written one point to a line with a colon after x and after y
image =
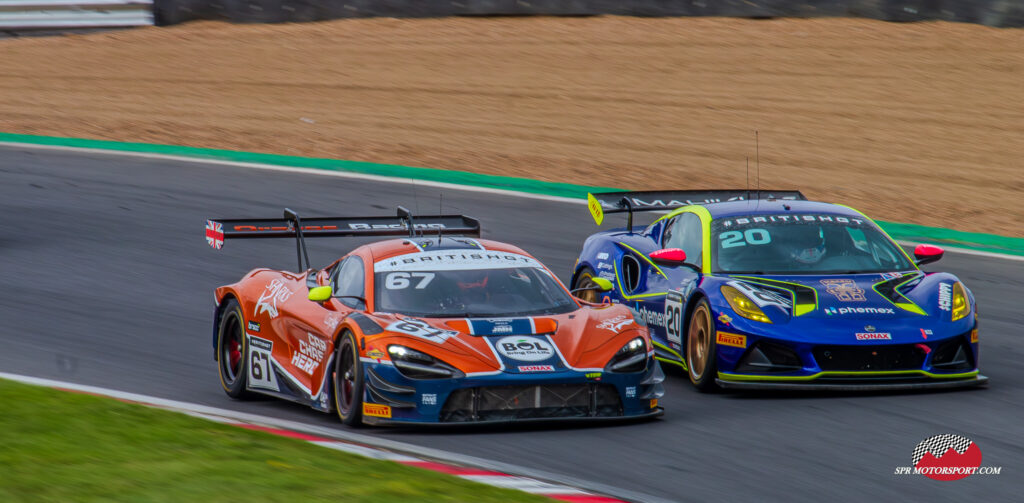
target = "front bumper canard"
x: 853, y: 383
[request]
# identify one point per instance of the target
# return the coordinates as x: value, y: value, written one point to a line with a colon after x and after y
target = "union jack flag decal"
x: 215, y: 234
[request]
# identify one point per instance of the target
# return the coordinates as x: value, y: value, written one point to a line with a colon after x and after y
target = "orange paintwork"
x: 304, y: 333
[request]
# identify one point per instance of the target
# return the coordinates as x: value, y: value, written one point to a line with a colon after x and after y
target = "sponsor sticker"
x: 274, y: 293
x: 536, y: 368
x: 377, y: 354
x: 859, y: 310
x: 595, y: 208
x: 594, y: 375
x: 891, y: 275
x: 524, y: 348
x: 974, y: 335
x: 947, y: 457
x: 651, y: 317
x: 604, y: 265
x: 310, y: 354
x: 945, y: 296
x: 428, y: 398
x: 261, y: 374
x: 790, y: 219
x: 615, y: 324
x: 874, y: 336
x: 844, y: 290
x: 725, y: 319
x: 253, y: 326
x: 654, y: 402
x: 422, y: 329
x: 455, y: 260
x: 602, y: 256
x: 925, y: 333
x: 727, y: 339
x: 332, y: 320
x: 376, y: 410
x: 630, y: 391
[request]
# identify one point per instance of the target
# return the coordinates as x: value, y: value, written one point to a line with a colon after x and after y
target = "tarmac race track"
x: 107, y: 281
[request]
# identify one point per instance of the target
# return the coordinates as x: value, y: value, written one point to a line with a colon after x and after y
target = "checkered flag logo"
x: 939, y: 444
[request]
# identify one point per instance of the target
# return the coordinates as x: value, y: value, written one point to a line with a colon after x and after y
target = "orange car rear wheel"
x: 231, y: 349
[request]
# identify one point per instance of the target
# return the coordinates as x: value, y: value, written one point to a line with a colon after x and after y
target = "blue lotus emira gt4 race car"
x: 765, y: 289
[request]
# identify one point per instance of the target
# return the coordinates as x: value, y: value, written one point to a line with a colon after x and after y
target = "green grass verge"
x: 60, y: 446
x: 900, y: 231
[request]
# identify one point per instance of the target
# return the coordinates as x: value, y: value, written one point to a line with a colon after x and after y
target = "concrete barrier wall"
x: 1003, y: 13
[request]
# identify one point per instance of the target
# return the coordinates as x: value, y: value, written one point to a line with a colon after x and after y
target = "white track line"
x: 386, y: 179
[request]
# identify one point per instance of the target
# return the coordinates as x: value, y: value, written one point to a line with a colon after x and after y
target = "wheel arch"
x: 218, y: 311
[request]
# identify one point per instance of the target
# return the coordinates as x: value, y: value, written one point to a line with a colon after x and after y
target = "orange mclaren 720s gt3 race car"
x: 430, y: 326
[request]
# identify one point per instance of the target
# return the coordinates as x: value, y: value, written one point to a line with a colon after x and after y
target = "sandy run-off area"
x: 919, y: 123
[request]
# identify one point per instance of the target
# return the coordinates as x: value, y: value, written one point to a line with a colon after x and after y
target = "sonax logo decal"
x: 947, y: 457
x: 536, y: 368
x: 735, y: 340
x: 874, y: 336
x: 375, y: 410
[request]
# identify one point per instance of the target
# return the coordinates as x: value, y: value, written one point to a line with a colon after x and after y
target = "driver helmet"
x: 473, y: 279
x: 808, y: 245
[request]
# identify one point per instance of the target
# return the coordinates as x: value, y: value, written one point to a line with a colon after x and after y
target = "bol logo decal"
x: 529, y: 349
x: 947, y: 457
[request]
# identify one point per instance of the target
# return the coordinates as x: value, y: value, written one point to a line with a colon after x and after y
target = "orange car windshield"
x: 458, y: 293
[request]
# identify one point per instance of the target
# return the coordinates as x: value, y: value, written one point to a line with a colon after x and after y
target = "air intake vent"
x: 630, y: 273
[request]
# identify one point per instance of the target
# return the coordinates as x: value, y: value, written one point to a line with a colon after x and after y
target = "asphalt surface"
x: 106, y: 280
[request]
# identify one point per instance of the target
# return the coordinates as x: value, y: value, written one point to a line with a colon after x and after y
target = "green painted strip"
x: 972, y: 240
x: 900, y: 231
x: 391, y: 170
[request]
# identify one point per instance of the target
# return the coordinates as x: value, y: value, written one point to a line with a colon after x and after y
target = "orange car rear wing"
x: 404, y: 224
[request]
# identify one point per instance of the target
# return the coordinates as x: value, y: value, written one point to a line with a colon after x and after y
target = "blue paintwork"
x: 821, y: 326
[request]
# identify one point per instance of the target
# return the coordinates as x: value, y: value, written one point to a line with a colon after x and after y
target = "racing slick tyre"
x: 701, y: 353
x: 232, y: 347
x: 585, y: 280
x: 348, y: 381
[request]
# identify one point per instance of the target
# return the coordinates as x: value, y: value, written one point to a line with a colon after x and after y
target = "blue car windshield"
x: 447, y: 286
x: 803, y: 244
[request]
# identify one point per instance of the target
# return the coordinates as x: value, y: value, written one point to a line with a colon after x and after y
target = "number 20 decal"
x: 401, y: 280
x: 731, y: 239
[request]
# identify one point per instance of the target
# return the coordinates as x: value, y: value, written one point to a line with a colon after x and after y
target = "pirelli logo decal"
x: 735, y: 340
x: 974, y: 336
x: 372, y: 409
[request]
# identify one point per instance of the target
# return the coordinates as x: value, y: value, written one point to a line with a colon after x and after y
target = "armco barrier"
x: 21, y: 15
x: 1004, y: 13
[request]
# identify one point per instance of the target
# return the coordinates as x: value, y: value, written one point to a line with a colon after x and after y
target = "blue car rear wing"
x: 653, y: 200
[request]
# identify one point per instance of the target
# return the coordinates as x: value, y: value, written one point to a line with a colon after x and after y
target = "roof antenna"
x: 757, y: 165
x: 748, y: 177
x: 416, y: 201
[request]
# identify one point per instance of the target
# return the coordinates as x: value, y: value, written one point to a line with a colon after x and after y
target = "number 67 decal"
x: 401, y: 280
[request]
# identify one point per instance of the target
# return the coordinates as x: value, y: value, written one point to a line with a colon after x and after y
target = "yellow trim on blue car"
x: 725, y: 376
